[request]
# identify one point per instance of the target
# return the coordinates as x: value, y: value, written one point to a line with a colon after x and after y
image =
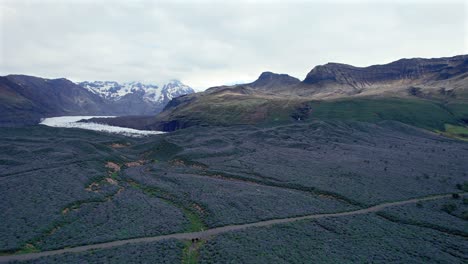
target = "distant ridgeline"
x: 427, y: 93
x: 24, y: 100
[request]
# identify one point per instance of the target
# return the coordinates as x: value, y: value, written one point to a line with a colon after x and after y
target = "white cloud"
x: 207, y: 43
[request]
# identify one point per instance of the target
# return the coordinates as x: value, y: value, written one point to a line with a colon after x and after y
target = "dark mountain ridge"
x: 269, y: 81
x: 440, y: 68
x: 429, y: 73
x: 26, y: 99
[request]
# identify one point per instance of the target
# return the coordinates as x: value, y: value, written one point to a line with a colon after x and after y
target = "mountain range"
x: 27, y: 99
x: 428, y: 93
x: 136, y: 98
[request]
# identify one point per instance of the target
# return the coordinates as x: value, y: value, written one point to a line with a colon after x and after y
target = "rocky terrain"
x: 436, y: 78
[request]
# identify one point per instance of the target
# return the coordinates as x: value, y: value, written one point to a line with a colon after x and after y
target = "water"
x: 72, y: 122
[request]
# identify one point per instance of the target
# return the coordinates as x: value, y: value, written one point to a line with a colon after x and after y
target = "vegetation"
x: 303, y: 157
x: 459, y: 132
x: 191, y: 254
x: 214, y: 176
x: 28, y: 248
x: 355, y: 239
x: 237, y: 109
x: 128, y: 214
x: 463, y: 187
x: 449, y: 207
x: 408, y: 111
x: 445, y: 215
x: 187, y: 207
x: 221, y: 202
x: 459, y: 109
x: 169, y: 251
x: 70, y: 192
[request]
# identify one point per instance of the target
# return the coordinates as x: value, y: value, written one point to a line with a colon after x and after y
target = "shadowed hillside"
x: 26, y: 99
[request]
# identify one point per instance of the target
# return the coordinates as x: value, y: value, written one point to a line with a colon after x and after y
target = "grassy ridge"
x: 235, y: 110
x: 459, y: 110
x: 420, y: 113
x: 458, y: 130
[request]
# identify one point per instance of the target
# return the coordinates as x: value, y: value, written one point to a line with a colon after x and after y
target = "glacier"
x: 73, y: 122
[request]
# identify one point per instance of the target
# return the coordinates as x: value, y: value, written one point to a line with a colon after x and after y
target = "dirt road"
x: 215, y: 231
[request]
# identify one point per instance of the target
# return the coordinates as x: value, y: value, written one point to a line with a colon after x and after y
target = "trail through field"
x: 219, y: 230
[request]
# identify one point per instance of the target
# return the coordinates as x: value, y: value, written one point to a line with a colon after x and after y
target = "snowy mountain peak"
x: 176, y: 88
x: 115, y: 91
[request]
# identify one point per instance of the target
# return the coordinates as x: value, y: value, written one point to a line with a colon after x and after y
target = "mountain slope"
x: 25, y: 99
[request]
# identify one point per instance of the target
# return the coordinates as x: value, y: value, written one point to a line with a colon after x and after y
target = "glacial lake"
x: 72, y: 122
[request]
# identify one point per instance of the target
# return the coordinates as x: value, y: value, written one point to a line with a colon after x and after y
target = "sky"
x: 210, y: 43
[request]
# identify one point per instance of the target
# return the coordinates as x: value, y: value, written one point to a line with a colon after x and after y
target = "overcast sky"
x: 208, y: 43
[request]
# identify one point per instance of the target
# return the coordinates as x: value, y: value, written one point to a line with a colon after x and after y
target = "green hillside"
x: 421, y: 113
x: 241, y: 110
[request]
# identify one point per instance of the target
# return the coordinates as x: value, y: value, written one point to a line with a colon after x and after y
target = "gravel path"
x: 215, y: 231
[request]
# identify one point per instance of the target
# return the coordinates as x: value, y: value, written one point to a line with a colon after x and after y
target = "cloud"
x: 207, y: 43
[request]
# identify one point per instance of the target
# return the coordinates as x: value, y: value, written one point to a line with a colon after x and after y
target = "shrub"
x: 449, y: 208
x: 465, y: 215
x: 462, y: 186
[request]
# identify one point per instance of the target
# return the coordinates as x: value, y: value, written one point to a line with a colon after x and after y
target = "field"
x: 63, y: 188
x: 459, y: 132
x: 408, y: 111
x: 166, y: 252
x: 376, y: 163
x: 356, y: 239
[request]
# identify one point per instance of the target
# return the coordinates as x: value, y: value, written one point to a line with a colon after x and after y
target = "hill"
x: 26, y: 99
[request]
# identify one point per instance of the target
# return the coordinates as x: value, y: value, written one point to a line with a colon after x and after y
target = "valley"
x: 348, y: 165
x: 240, y: 132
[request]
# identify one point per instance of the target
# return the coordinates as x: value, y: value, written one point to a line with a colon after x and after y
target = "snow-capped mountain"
x: 150, y: 92
x: 175, y: 89
x: 137, y: 98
